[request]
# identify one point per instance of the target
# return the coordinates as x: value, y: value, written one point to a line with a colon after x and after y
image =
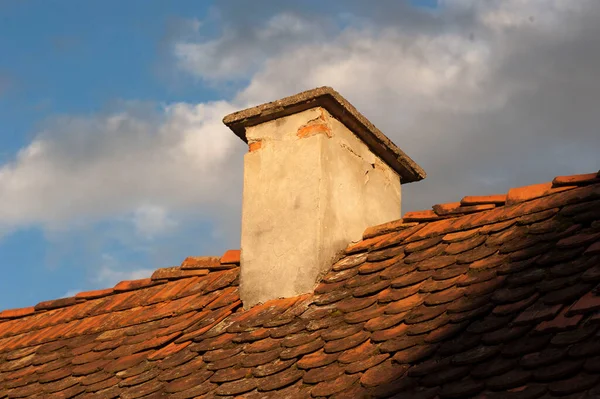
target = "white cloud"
x: 113, y: 271
x: 236, y: 55
x: 150, y: 221
x: 484, y: 95
x: 81, y: 169
x: 71, y: 293
x: 414, y: 72
x: 510, y: 14
x: 478, y: 92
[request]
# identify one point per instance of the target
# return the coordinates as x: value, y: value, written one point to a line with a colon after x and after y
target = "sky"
x: 114, y: 161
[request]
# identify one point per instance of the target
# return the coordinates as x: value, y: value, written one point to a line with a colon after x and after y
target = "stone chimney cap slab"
x: 341, y: 109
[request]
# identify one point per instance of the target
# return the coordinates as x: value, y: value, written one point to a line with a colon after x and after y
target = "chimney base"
x: 311, y: 186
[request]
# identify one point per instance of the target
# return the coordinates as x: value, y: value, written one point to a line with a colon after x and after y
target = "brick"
x: 254, y: 146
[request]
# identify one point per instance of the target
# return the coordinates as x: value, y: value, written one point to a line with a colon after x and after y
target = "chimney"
x: 317, y: 174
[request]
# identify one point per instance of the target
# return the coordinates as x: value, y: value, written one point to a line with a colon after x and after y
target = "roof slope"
x: 496, y: 297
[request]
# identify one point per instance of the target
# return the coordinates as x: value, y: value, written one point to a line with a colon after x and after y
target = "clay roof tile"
x: 230, y: 257
x: 493, y: 295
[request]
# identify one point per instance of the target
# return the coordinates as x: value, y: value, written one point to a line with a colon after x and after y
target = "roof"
x: 493, y: 297
x: 341, y: 109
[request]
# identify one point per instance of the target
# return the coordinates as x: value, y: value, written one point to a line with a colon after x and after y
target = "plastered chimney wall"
x: 311, y: 187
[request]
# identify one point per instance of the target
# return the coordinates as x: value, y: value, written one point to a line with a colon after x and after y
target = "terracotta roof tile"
x: 493, y: 297
x: 231, y: 257
x: 593, y: 249
x: 201, y: 262
x: 170, y: 273
x: 328, y: 388
x: 366, y: 244
x: 496, y: 199
x: 420, y: 216
x: 384, y: 228
x: 326, y: 373
x: 459, y: 209
x: 133, y: 285
x: 584, y: 179
x: 426, y: 230
x: 521, y: 194
x: 15, y: 313
x: 55, y: 304
x: 279, y: 380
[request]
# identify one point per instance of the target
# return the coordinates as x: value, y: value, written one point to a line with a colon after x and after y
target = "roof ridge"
x: 476, y: 204
x: 192, y: 266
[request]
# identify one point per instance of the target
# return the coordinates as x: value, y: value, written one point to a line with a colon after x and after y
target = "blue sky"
x: 114, y: 162
x: 65, y: 58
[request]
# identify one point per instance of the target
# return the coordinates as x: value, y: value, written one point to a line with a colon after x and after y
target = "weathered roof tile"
x: 16, y: 313
x: 385, y: 228
x: 495, y: 296
x: 420, y: 216
x: 231, y: 256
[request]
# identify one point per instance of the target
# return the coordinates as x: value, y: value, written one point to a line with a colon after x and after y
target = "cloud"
x: 111, y: 272
x: 84, y: 169
x: 239, y: 52
x: 143, y: 184
x: 484, y: 95
x: 71, y: 293
x: 150, y: 221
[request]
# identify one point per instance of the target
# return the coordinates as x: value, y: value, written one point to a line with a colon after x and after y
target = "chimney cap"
x: 341, y: 109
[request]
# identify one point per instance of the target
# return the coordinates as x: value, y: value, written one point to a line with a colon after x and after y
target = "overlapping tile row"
x: 119, y: 341
x: 501, y: 303
x: 193, y: 266
x: 472, y: 204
